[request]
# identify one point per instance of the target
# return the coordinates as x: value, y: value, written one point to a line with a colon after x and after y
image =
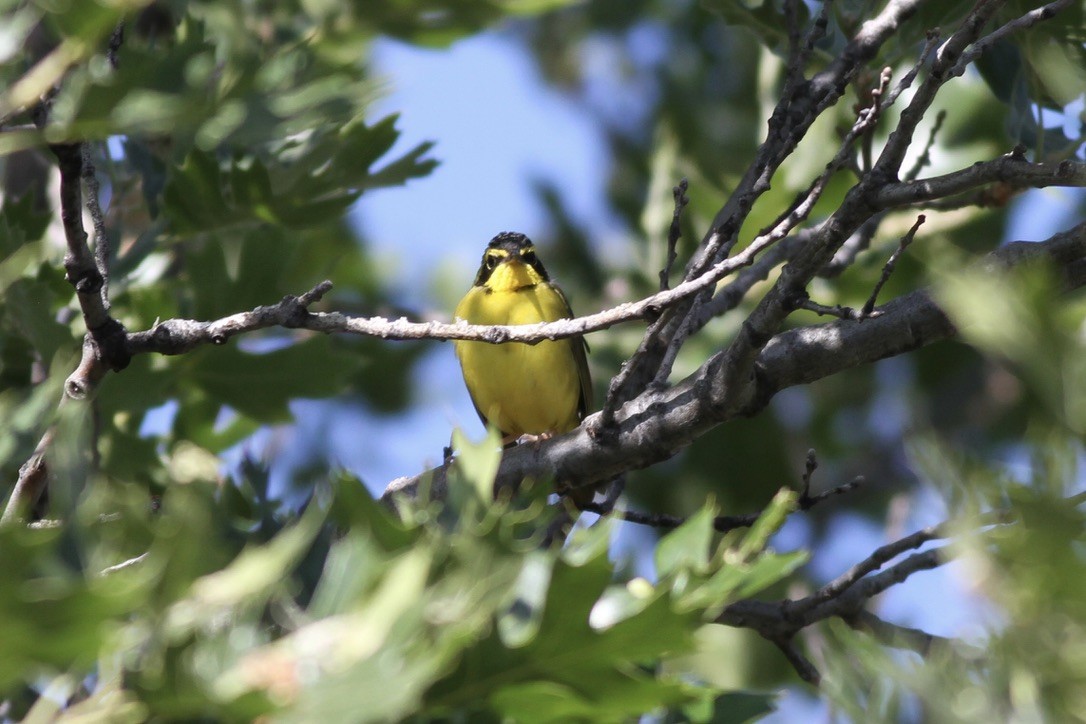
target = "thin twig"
x: 116, y: 39
x: 663, y: 521
x: 807, y: 501
x: 612, y: 493
x: 898, y: 636
x: 123, y: 565
x: 838, y: 310
x: 857, y: 242
x: 725, y: 523
x: 873, y: 585
x: 674, y: 232
x: 1022, y: 22
x: 799, y: 662
x: 810, y: 464
x: 924, y: 159
x: 906, y: 81
x: 868, y: 310
x: 875, y: 109
x: 888, y: 269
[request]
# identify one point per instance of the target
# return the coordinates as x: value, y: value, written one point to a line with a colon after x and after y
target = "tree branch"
x: 846, y: 596
x: 897, y: 636
x: 802, y: 101
x: 674, y: 232
x: 1022, y: 22
x: 658, y: 424
x: 33, y: 476
x: 80, y: 267
x: 1013, y: 169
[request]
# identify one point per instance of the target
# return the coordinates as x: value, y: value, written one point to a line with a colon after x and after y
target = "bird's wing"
x: 580, y: 356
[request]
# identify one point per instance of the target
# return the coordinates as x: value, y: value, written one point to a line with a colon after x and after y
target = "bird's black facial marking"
x: 509, y: 245
x: 491, y: 258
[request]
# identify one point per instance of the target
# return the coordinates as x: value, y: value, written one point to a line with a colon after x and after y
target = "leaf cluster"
x: 351, y: 613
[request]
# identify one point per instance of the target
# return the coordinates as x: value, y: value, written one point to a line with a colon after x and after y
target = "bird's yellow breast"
x: 519, y: 388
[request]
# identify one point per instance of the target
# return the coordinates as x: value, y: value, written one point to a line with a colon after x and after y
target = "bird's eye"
x: 490, y: 261
x: 528, y: 256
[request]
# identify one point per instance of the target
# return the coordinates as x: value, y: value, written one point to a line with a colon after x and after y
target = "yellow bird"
x: 521, y: 389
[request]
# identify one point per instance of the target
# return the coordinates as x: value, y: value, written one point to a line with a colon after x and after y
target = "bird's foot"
x: 537, y: 440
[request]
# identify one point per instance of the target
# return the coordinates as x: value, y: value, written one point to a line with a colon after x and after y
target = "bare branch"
x: 101, y: 240
x: 79, y: 264
x: 888, y: 269
x: 177, y: 336
x: 721, y: 523
x: 897, y: 636
x: 799, y: 662
x: 1028, y: 20
x: 924, y: 159
x: 858, y: 241
x: 104, y: 345
x: 674, y: 232
x: 837, y: 310
x: 1012, y: 168
x: 879, y: 557
x: 33, y: 477
x: 784, y: 224
x: 897, y: 145
x: 845, y: 597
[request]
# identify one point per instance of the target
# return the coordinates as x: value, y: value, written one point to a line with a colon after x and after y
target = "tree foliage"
x: 215, y: 149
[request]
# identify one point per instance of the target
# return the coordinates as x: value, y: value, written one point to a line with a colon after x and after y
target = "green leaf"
x: 21, y: 222
x: 735, y: 707
x: 763, y: 18
x: 687, y: 547
x: 476, y: 463
x: 352, y: 507
x: 412, y: 164
x: 250, y: 579
x: 377, y: 651
x: 769, y: 522
x: 261, y: 385
x: 32, y: 307
x: 1015, y: 314
x: 569, y: 664
x: 53, y: 616
x: 353, y: 567
x: 738, y: 579
x: 298, y: 184
x: 193, y: 197
x: 539, y: 702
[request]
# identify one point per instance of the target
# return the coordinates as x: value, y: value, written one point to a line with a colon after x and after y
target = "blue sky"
x: 497, y: 127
